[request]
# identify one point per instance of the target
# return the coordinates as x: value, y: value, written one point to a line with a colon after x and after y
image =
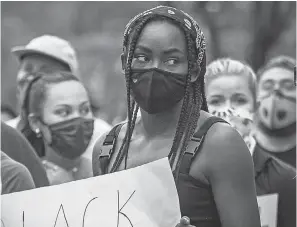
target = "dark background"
x: 249, y: 31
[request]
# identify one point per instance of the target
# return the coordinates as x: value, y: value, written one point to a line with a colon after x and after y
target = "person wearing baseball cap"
x: 48, y: 54
x: 45, y: 53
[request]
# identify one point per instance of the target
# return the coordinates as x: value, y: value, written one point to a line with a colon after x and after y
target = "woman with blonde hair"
x: 231, y: 94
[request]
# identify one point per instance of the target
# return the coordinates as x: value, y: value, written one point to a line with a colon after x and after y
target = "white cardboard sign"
x: 268, y: 205
x: 144, y: 196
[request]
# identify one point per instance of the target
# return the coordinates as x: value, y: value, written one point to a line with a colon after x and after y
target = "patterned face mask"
x: 241, y: 120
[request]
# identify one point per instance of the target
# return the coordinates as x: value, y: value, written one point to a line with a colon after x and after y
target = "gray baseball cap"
x: 51, y: 46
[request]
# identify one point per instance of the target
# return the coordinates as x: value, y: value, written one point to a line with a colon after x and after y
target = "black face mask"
x: 156, y: 90
x: 71, y: 138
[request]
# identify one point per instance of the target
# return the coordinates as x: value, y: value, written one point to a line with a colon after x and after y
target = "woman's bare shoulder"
x: 218, y: 132
x: 225, y: 149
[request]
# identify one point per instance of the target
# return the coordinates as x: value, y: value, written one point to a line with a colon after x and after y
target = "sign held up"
x: 268, y: 209
x: 142, y: 196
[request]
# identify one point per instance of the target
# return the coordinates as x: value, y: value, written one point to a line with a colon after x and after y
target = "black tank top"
x: 195, y: 197
x: 197, y: 202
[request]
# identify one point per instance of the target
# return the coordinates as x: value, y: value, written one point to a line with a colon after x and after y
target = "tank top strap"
x: 108, y: 147
x: 195, y: 144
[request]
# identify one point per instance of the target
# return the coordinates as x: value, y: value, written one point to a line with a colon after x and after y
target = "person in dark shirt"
x: 15, y: 177
x: 15, y: 145
x: 275, y: 176
x: 231, y: 95
x: 276, y: 115
x: 164, y: 62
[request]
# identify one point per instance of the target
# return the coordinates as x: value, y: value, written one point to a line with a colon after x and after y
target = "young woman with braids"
x: 231, y: 94
x: 56, y: 108
x: 164, y: 64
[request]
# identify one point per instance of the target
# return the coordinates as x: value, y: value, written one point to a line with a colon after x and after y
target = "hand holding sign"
x: 184, y: 222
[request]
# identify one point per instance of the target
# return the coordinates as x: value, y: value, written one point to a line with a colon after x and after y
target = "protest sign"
x: 144, y: 196
x: 268, y: 209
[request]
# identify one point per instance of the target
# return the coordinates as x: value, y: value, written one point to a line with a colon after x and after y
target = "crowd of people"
x: 229, y: 132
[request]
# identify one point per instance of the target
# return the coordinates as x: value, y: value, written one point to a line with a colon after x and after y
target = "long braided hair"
x: 194, y: 97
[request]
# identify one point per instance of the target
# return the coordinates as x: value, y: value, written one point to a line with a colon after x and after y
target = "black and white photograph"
x: 148, y: 114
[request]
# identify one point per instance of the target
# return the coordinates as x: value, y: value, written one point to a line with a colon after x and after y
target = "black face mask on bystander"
x: 71, y: 138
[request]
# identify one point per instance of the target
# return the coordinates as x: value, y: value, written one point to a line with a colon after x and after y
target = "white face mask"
x: 240, y: 119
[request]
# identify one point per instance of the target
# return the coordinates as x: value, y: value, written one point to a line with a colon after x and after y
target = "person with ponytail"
x: 231, y: 94
x: 164, y: 62
x: 276, y: 116
x: 43, y: 54
x: 56, y: 110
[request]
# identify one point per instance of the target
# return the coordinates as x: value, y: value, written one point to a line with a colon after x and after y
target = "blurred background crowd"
x: 80, y: 94
x: 248, y: 31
